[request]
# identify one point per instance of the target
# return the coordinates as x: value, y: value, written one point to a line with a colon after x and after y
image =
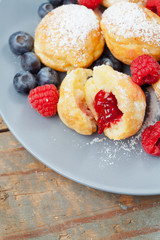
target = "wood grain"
x: 37, y: 203
x: 3, y: 126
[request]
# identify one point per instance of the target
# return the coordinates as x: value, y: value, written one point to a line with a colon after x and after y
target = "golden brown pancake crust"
x: 131, y: 30
x: 69, y: 37
x: 72, y: 108
x: 131, y: 100
x: 108, y: 3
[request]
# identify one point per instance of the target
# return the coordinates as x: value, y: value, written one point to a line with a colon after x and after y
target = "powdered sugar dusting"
x: 110, y: 151
x: 130, y: 20
x: 96, y: 140
x: 68, y: 25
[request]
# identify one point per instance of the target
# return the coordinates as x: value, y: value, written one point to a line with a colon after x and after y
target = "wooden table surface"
x: 37, y: 203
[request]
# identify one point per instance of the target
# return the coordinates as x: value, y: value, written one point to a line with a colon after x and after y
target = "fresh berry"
x: 56, y: 3
x: 101, y: 8
x: 103, y: 60
x: 65, y: 2
x: 154, y: 6
x: 107, y: 109
x: 117, y: 65
x: 89, y: 3
x: 24, y: 81
x: 30, y: 62
x: 145, y: 70
x: 21, y: 42
x: 48, y: 76
x: 151, y: 139
x: 44, y: 99
x: 44, y: 9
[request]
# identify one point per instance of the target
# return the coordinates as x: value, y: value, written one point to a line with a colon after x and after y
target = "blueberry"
x: 65, y: 2
x: 117, y: 65
x: 24, y: 81
x: 48, y: 76
x: 103, y: 60
x: 30, y: 62
x: 21, y: 42
x: 44, y: 9
x: 101, y: 8
x: 56, y: 3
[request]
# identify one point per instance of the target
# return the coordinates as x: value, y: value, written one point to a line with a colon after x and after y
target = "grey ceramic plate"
x: 115, y: 166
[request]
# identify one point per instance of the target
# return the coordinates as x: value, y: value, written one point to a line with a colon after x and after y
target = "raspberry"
x: 44, y: 99
x: 151, y: 139
x: 145, y: 70
x: 154, y: 6
x: 158, y: 9
x: 107, y: 109
x: 89, y: 3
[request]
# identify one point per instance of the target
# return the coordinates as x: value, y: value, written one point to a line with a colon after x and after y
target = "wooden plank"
x: 37, y: 203
x: 3, y: 126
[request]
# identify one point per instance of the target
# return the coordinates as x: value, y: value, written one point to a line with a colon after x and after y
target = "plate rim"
x: 71, y: 175
x: 106, y: 188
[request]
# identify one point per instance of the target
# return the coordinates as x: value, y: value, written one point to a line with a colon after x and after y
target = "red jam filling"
x: 107, y: 109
